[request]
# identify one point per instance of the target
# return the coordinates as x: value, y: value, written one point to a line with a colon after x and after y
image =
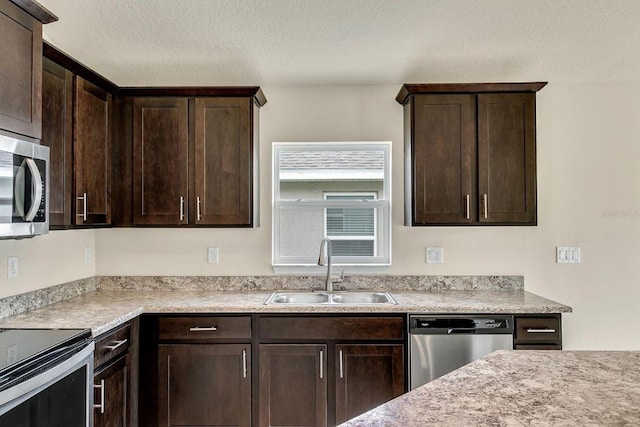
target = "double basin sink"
x: 326, y: 298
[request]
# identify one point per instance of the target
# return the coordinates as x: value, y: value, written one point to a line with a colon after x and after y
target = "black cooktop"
x: 22, y: 347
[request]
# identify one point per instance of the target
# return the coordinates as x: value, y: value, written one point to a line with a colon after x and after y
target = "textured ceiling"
x: 291, y: 42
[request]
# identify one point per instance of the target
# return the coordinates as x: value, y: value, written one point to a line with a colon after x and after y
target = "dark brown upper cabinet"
x: 77, y: 126
x: 21, y: 65
x: 92, y: 147
x: 223, y: 161
x: 57, y: 134
x: 160, y: 152
x: 194, y: 158
x: 470, y: 153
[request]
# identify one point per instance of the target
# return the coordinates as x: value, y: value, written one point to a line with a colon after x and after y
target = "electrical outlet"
x: 88, y: 256
x: 12, y: 267
x: 435, y: 255
x: 567, y: 255
x: 212, y: 255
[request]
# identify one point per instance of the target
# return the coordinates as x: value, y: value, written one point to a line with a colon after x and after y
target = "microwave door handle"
x: 36, y: 189
x: 18, y: 191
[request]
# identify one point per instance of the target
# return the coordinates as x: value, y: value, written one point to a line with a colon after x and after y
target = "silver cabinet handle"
x: 84, y: 203
x: 244, y: 363
x: 200, y: 329
x: 485, y: 205
x: 198, y: 216
x: 321, y: 364
x: 181, y: 208
x: 540, y: 331
x: 101, y: 405
x: 115, y: 345
x: 467, y: 206
x: 168, y: 388
x: 341, y: 366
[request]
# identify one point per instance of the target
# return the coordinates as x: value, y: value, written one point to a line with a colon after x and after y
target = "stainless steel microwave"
x: 24, y: 187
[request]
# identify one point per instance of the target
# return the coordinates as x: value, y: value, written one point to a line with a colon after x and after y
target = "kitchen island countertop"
x: 523, y: 388
x: 103, y: 310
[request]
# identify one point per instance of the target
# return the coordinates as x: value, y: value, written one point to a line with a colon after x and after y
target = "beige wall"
x: 46, y: 260
x: 588, y: 196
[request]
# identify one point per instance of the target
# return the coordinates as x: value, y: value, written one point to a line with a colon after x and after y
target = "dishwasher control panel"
x: 461, y: 324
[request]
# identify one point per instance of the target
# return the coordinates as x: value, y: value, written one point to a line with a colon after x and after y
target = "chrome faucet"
x: 329, y: 284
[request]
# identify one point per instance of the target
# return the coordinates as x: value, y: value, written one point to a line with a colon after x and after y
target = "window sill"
x: 336, y: 269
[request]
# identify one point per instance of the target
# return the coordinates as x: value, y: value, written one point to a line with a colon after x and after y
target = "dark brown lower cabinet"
x: 319, y: 370
x: 204, y: 385
x: 367, y: 376
x: 293, y: 385
x: 537, y: 332
x: 111, y: 395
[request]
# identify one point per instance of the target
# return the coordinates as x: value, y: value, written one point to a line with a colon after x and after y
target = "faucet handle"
x: 337, y: 279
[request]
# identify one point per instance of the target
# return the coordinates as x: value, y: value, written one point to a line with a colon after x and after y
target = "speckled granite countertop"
x: 103, y: 310
x: 523, y: 388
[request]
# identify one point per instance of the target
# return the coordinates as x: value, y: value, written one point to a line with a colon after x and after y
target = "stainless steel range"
x: 45, y: 377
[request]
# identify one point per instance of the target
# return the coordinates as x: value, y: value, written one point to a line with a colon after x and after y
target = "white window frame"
x: 354, y: 237
x: 379, y: 263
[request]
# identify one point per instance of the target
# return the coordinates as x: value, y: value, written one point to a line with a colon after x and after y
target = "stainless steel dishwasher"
x: 440, y: 344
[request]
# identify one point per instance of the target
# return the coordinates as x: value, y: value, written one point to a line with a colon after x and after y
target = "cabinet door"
x: 367, y: 376
x: 57, y: 104
x: 293, y: 385
x: 160, y: 153
x: 92, y: 154
x: 20, y: 71
x: 443, y: 163
x: 111, y: 395
x: 507, y: 158
x: 204, y: 385
x: 223, y: 161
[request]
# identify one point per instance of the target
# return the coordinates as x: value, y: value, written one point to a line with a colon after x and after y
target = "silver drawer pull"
x: 540, y: 331
x: 321, y: 364
x: 101, y: 405
x: 115, y: 345
x: 199, y: 329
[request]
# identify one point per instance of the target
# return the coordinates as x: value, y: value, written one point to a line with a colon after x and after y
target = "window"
x: 352, y: 230
x: 335, y: 190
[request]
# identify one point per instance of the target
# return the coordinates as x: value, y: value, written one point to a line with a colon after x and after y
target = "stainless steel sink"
x: 298, y: 298
x: 326, y: 298
x: 362, y: 298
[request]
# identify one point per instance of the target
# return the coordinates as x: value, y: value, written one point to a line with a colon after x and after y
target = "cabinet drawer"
x: 111, y: 345
x: 332, y: 328
x: 203, y: 329
x: 537, y: 329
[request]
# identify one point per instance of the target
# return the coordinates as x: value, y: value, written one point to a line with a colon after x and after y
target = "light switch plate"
x: 568, y: 255
x: 212, y: 255
x: 434, y: 255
